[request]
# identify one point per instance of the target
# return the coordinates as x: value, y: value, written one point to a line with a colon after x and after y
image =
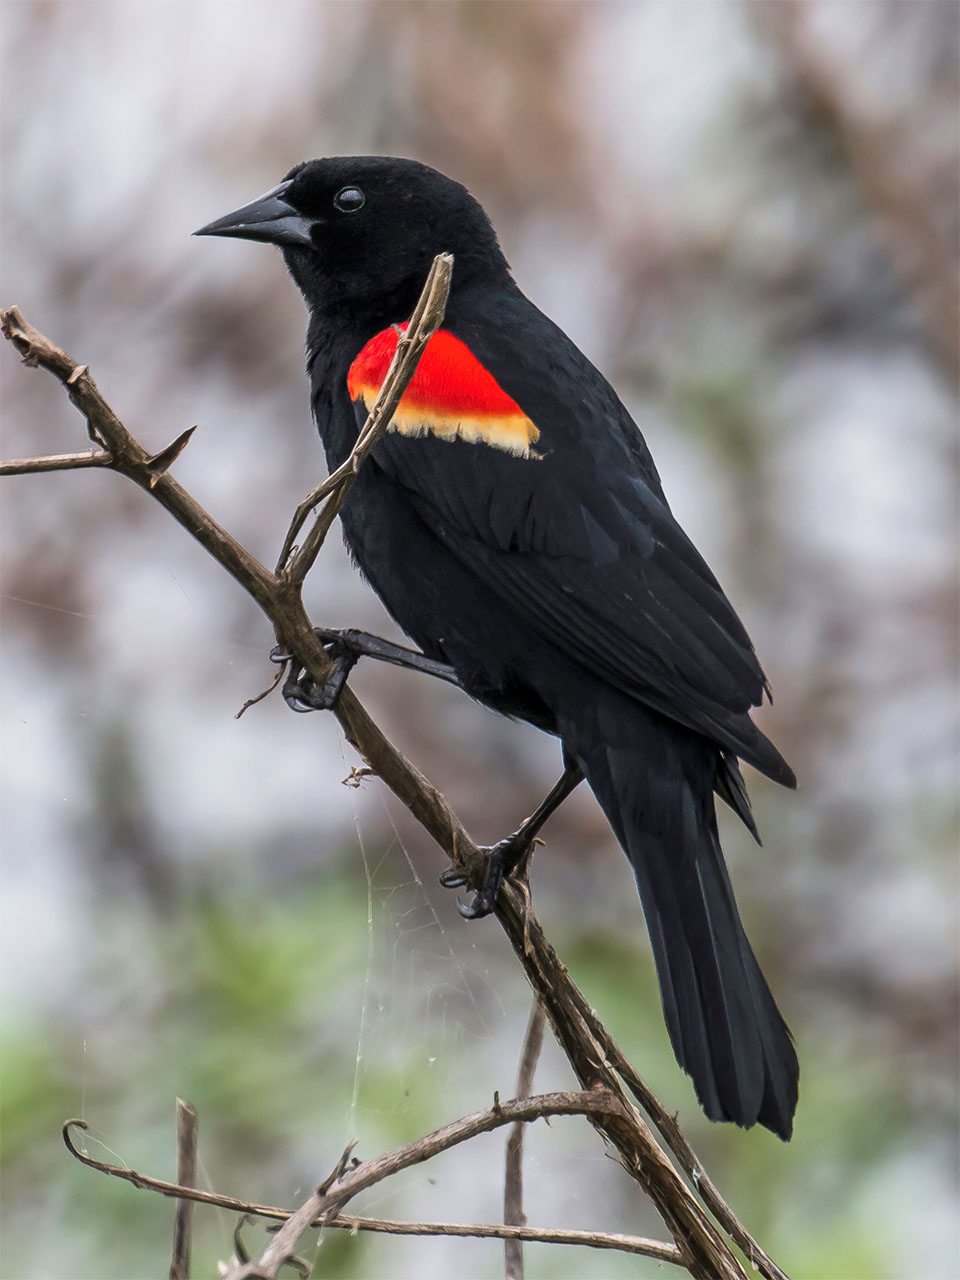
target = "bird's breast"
x: 451, y: 395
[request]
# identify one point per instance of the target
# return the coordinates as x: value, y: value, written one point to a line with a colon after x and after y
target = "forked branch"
x: 349, y: 1178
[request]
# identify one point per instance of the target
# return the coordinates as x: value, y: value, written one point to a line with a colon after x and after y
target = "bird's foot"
x: 502, y: 859
x: 300, y: 691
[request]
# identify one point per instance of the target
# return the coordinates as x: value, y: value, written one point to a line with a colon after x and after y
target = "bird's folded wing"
x: 597, y: 565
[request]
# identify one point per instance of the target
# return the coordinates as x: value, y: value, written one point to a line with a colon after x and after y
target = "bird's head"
x: 360, y: 227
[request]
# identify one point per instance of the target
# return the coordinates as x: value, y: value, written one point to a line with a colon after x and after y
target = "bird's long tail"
x: 654, y: 780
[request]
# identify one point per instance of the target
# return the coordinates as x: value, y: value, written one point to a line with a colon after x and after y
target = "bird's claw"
x: 300, y: 691
x: 453, y: 879
x: 482, y: 904
x: 503, y: 858
x: 302, y: 694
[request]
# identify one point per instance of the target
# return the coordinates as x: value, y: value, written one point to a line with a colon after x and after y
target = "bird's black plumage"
x: 552, y: 577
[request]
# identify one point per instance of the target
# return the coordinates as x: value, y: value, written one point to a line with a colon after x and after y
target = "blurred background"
x: 746, y: 214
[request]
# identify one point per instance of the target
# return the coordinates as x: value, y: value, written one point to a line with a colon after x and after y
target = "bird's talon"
x: 484, y: 900
x: 452, y: 879
x: 482, y: 904
x: 297, y: 702
x: 471, y: 910
x: 301, y: 694
x: 302, y: 708
x: 327, y: 635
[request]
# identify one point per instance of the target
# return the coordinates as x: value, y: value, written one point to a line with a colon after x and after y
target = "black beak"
x: 268, y: 218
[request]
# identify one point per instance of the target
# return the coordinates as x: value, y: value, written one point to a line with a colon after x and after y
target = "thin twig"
x: 369, y: 1172
x: 132, y: 460
x: 533, y: 1235
x: 426, y: 319
x: 344, y: 1183
x: 513, y: 1215
x: 56, y: 462
x: 329, y: 1199
x: 482, y: 1231
x: 252, y: 702
x: 173, y: 1190
x: 186, y: 1176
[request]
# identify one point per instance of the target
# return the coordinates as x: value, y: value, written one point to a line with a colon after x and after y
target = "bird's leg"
x: 505, y: 856
x: 301, y: 693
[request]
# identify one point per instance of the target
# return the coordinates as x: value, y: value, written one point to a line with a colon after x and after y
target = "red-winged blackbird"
x: 513, y: 523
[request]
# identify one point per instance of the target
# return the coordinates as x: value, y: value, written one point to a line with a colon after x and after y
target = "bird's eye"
x: 349, y: 200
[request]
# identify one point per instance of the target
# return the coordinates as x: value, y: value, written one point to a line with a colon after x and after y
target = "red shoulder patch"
x: 451, y: 395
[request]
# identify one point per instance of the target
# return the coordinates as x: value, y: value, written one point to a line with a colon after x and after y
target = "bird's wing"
x: 571, y: 530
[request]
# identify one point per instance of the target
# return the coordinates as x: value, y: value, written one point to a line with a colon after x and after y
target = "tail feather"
x: 654, y: 780
x: 730, y: 787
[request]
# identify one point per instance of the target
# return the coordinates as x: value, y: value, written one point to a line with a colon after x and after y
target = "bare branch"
x: 186, y: 1176
x: 131, y: 459
x: 513, y: 1215
x: 171, y: 1189
x: 56, y: 462
x: 589, y: 1239
x: 330, y: 1198
x: 481, y: 1231
x: 369, y: 1172
x: 346, y: 1182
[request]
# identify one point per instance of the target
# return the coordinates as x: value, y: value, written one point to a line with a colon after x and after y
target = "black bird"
x: 513, y: 523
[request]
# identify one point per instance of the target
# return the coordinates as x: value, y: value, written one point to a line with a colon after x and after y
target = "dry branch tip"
x: 252, y: 702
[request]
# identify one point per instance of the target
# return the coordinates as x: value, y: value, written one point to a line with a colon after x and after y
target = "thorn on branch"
x: 164, y: 460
